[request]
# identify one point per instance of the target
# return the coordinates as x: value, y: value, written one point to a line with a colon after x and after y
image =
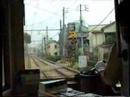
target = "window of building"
x: 110, y: 37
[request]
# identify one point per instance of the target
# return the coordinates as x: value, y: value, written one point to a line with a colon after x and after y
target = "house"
x: 109, y: 31
x: 53, y: 48
x: 101, y: 38
x: 110, y: 36
x: 96, y: 37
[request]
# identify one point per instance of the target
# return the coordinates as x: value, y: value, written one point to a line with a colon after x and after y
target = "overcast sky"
x: 42, y: 13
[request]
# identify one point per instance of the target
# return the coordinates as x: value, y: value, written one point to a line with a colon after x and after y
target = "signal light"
x: 72, y: 35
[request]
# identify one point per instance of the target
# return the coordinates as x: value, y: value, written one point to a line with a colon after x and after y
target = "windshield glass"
x: 64, y: 37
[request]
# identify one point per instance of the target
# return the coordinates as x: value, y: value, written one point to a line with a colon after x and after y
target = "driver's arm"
x: 112, y: 73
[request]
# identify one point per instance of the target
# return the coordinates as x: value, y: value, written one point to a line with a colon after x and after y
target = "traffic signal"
x: 72, y: 35
x: 72, y: 38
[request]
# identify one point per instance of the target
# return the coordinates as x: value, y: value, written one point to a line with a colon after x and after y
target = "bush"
x: 54, y: 58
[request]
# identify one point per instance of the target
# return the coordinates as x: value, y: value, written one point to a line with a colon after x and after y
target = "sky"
x: 42, y: 13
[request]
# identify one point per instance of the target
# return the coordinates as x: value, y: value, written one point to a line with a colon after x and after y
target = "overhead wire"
x: 55, y: 35
x: 41, y: 9
x: 47, y: 11
x: 58, y: 32
x: 102, y: 20
x: 38, y: 23
x: 96, y: 25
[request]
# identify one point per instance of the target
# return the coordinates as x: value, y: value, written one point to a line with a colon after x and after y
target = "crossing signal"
x: 72, y: 35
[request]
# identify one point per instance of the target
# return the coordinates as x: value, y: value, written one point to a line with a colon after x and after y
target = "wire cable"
x: 102, y: 20
x: 41, y: 9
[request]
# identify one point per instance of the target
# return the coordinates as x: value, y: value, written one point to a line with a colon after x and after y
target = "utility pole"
x: 46, y: 40
x: 29, y: 52
x: 47, y: 34
x: 63, y: 49
x: 80, y: 17
x: 63, y: 17
x: 42, y: 47
x: 64, y: 33
x: 60, y: 40
x: 45, y: 45
x: 60, y: 25
x: 82, y: 58
x: 80, y: 30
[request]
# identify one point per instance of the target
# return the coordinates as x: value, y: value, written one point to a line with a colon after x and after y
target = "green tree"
x: 27, y: 38
x: 109, y: 39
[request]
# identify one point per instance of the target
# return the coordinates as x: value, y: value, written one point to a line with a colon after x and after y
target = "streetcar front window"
x: 63, y: 38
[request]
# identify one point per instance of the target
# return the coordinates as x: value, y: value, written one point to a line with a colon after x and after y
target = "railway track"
x: 68, y: 68
x: 51, y: 70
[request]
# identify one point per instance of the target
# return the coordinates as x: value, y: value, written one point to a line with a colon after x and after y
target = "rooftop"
x: 108, y: 25
x: 93, y: 28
